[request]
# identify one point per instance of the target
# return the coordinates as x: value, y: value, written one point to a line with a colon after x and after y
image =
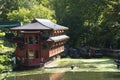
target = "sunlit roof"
x: 58, y: 38
x: 40, y: 24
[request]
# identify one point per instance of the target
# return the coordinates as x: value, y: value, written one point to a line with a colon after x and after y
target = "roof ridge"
x: 42, y: 23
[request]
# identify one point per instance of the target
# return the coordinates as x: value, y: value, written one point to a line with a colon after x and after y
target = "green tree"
x: 8, y: 6
x: 111, y: 24
x: 82, y: 17
x: 19, y: 15
x: 25, y: 15
x: 91, y: 22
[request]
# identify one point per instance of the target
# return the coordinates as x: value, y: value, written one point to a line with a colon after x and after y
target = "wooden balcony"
x: 56, y: 51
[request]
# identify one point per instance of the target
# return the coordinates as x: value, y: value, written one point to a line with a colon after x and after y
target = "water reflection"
x: 55, y: 76
x: 71, y: 76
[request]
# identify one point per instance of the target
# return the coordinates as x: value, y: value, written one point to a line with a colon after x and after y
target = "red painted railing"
x: 56, y: 51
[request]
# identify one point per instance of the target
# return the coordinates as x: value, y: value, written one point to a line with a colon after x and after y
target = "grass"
x: 68, y: 62
x: 82, y: 63
x: 101, y: 64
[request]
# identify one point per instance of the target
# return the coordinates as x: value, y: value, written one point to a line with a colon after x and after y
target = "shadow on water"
x: 92, y: 76
x: 70, y: 76
x: 114, y: 75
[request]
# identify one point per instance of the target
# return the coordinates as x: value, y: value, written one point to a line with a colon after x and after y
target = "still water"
x: 71, y: 76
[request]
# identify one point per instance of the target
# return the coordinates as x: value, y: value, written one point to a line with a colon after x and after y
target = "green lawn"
x: 96, y: 65
x: 81, y: 65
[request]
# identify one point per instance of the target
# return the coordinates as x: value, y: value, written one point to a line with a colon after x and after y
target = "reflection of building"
x: 56, y: 76
x: 38, y: 41
x: 46, y: 76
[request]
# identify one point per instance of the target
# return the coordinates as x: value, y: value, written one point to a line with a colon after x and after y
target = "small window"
x: 36, y: 39
x: 36, y: 54
x: 31, y: 54
x: 30, y: 39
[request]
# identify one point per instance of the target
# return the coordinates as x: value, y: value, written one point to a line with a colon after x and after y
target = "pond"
x: 70, y: 76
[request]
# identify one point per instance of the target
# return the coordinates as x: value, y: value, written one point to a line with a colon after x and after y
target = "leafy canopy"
x: 26, y: 15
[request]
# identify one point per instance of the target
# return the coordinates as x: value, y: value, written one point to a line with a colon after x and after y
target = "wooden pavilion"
x: 38, y: 42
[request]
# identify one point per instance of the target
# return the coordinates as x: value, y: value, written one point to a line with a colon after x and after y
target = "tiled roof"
x: 30, y: 32
x: 40, y: 24
x: 31, y: 26
x: 58, y: 38
x: 50, y: 24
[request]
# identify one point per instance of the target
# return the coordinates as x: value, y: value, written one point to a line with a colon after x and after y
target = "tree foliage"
x: 91, y: 22
x: 22, y: 8
x: 26, y: 15
x: 4, y: 62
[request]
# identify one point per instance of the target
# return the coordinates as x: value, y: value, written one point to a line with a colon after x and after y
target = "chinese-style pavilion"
x: 38, y: 41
